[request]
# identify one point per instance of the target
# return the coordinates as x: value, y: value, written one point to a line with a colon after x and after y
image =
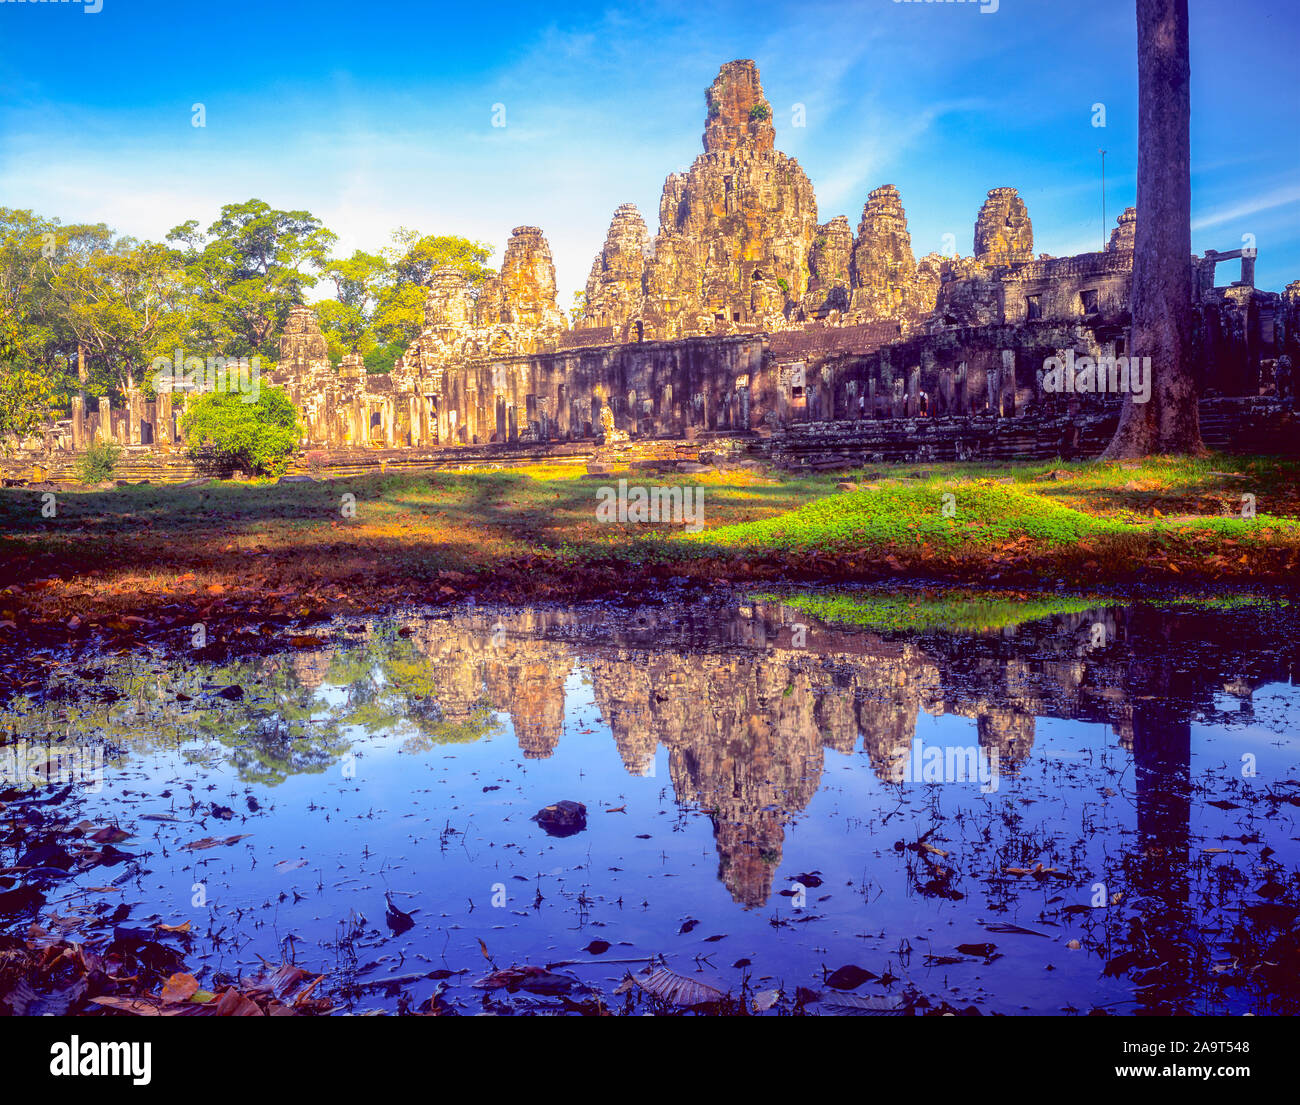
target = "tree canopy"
x: 85, y: 310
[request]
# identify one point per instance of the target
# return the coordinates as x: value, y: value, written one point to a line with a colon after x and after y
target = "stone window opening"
x: 1088, y: 298
x: 1035, y: 303
x: 735, y: 316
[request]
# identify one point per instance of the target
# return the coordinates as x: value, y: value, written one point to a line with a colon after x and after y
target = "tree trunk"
x: 1162, y: 271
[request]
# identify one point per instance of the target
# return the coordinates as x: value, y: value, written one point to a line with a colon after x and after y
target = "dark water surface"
x: 1019, y: 820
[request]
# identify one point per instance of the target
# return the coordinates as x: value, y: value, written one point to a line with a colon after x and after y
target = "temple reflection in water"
x: 746, y: 698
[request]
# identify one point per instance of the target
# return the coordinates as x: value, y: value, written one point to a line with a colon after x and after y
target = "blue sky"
x: 379, y: 114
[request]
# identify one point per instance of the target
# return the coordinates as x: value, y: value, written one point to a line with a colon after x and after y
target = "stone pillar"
x: 390, y: 422
x: 914, y: 392
x: 1007, y: 384
x: 78, y: 423
x: 413, y: 406
x: 1248, y: 267
x: 360, y: 424
x: 132, y: 417
x: 105, y: 419
x: 469, y: 416
x: 162, y: 432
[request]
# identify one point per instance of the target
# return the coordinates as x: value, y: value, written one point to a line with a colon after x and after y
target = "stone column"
x: 360, y: 424
x: 1248, y: 267
x: 413, y: 406
x: 78, y: 423
x: 105, y: 419
x: 390, y: 422
x: 162, y: 433
x: 1007, y: 384
x: 132, y: 417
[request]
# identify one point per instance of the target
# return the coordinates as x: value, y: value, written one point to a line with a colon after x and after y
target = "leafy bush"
x: 224, y: 432
x: 760, y: 111
x: 98, y: 462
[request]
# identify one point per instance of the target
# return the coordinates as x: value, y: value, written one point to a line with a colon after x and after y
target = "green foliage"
x: 382, y: 357
x: 225, y: 432
x: 118, y: 301
x: 986, y: 515
x: 412, y: 260
x: 27, y: 396
x: 959, y: 610
x: 98, y: 462
x: 245, y: 272
x: 88, y: 311
x: 760, y: 111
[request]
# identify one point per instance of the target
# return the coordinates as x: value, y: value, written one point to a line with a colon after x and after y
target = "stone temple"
x: 747, y: 325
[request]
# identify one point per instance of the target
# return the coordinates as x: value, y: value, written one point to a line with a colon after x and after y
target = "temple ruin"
x: 746, y: 321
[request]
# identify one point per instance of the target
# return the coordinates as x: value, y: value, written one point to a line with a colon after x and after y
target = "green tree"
x: 223, y: 431
x: 27, y: 396
x: 32, y: 249
x: 116, y: 301
x: 245, y: 272
x: 412, y: 259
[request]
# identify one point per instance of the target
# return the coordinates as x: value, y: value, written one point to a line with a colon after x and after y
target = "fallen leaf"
x: 178, y: 988
x: 678, y: 989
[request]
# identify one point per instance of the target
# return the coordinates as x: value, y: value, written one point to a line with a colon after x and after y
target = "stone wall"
x: 744, y: 312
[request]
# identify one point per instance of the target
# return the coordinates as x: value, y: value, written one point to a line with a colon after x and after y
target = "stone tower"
x: 736, y: 229
x: 527, y: 282
x: 1003, y: 233
x: 301, y: 341
x: 304, y: 369
x: 883, y: 266
x: 448, y: 301
x: 615, y: 287
x: 829, y: 267
x: 1122, y: 237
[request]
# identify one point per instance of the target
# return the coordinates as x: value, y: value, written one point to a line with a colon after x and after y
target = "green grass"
x: 958, y: 610
x: 985, y: 516
x: 967, y: 610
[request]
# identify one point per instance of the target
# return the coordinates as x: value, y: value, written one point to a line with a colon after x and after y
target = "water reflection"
x: 747, y: 698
